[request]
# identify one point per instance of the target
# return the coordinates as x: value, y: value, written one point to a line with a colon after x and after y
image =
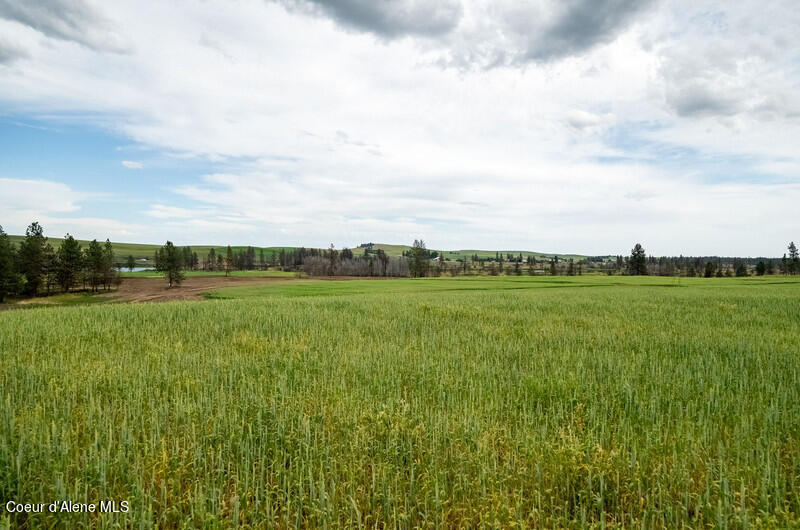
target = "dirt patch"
x: 192, y: 288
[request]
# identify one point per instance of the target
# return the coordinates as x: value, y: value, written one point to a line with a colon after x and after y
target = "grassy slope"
x: 140, y: 251
x: 397, y: 250
x: 643, y: 402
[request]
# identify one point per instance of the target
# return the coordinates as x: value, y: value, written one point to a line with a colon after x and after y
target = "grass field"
x: 547, y: 402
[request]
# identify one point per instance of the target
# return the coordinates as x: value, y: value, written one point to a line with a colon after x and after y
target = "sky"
x: 573, y: 126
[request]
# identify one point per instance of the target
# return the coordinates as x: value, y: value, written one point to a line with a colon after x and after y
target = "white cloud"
x: 320, y: 134
x: 57, y: 208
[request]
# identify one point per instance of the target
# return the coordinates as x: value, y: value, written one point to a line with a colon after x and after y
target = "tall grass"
x: 631, y: 405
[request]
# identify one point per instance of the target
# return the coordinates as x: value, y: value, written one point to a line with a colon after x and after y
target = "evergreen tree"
x: 418, y: 267
x: 49, y: 268
x: 794, y: 260
x: 69, y: 262
x: 739, y: 268
x: 93, y: 259
x: 109, y: 269
x: 9, y: 279
x: 709, y: 269
x: 384, y: 260
x: 333, y: 257
x: 169, y: 261
x: 761, y: 268
x: 130, y: 263
x: 228, y: 260
x: 637, y: 264
x: 32, y: 257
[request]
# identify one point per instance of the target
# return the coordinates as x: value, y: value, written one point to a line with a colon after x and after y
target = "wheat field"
x: 586, y: 402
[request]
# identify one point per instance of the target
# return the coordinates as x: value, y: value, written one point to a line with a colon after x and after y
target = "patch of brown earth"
x: 192, y: 288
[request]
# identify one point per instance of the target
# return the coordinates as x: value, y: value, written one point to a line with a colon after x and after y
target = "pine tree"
x: 109, y: 268
x: 708, y: 272
x: 9, y: 279
x: 32, y: 256
x: 228, y: 260
x: 69, y: 261
x: 130, y: 263
x: 637, y: 264
x: 418, y: 267
x: 333, y: 257
x: 49, y: 268
x: 169, y: 261
x: 93, y: 257
x: 794, y: 260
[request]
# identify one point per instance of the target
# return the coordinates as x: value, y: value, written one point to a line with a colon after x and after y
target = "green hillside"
x: 454, y: 255
x: 145, y: 252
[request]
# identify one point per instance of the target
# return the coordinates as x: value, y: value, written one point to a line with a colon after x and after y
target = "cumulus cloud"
x: 23, y: 195
x: 10, y: 51
x: 387, y: 18
x: 581, y: 119
x: 549, y: 30
x: 482, y: 33
x: 69, y: 20
x: 57, y: 207
x: 310, y: 132
x: 724, y: 63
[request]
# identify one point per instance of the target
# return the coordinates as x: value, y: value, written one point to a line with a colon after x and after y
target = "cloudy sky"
x: 558, y: 126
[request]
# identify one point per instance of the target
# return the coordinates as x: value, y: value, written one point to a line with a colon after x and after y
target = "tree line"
x: 35, y: 267
x: 638, y: 263
x: 418, y: 262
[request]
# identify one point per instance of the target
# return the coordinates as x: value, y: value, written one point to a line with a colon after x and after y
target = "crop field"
x: 545, y: 402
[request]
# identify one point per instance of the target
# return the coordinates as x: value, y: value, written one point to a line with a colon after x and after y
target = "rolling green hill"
x: 145, y: 252
x: 454, y: 255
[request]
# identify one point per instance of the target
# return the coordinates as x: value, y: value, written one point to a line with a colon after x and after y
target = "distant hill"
x: 145, y: 252
x: 397, y: 250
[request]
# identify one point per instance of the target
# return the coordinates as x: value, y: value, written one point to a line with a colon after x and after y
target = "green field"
x: 458, y: 402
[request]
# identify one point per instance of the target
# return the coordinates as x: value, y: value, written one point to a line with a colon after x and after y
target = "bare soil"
x: 192, y: 288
